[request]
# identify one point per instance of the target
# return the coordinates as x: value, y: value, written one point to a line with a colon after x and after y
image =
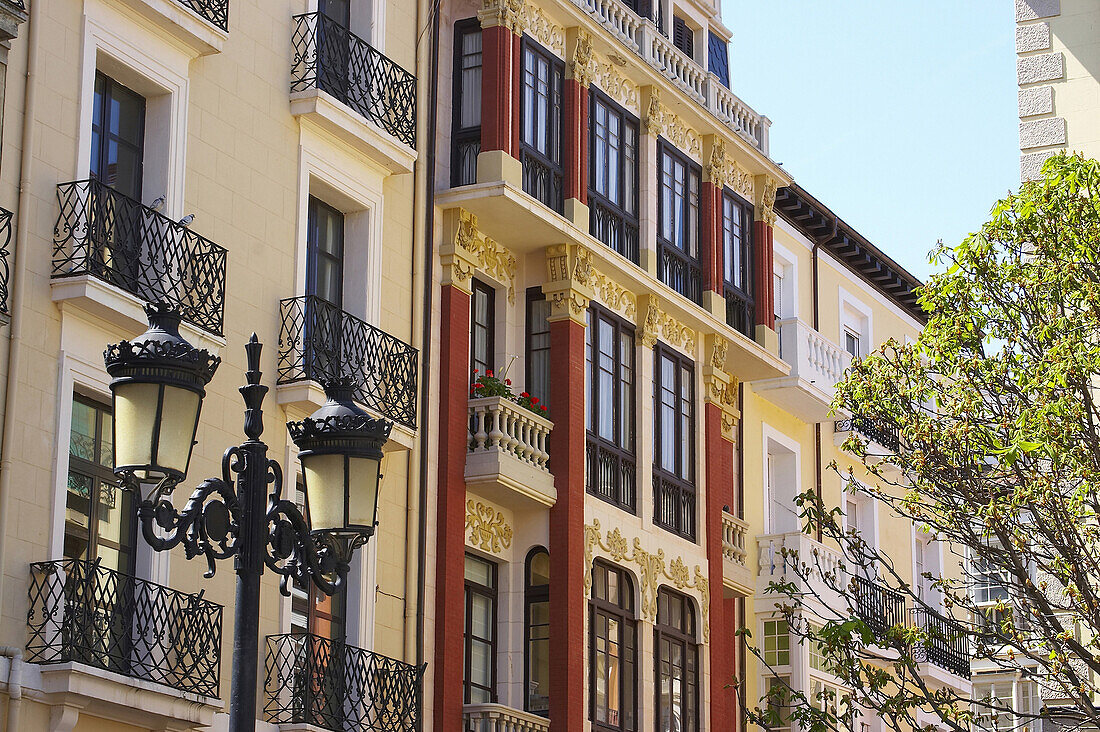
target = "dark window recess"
x: 541, y: 139
x: 609, y: 450
x: 482, y: 327
x: 677, y: 663
x: 118, y: 136
x: 682, y: 36
x: 613, y: 184
x: 718, y: 58
x: 537, y: 632
x: 466, y: 119
x: 325, y: 252
x: 678, y: 264
x: 613, y: 651
x: 538, y: 345
x: 479, y: 670
x: 737, y: 263
x: 674, y: 438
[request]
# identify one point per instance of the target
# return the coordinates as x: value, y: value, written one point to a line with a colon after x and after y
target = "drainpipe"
x: 15, y: 685
x: 22, y: 224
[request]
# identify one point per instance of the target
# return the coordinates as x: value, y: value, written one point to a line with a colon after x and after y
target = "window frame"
x: 595, y: 444
x: 99, y: 158
x: 535, y: 295
x: 616, y: 214
x: 740, y: 299
x: 689, y: 281
x: 624, y: 613
x: 554, y: 169
x: 492, y: 593
x: 314, y: 207
x: 532, y: 594
x: 464, y: 136
x: 684, y: 477
x: 688, y: 641
x: 490, y: 327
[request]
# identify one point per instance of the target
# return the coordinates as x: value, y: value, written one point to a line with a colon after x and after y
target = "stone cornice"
x: 470, y: 250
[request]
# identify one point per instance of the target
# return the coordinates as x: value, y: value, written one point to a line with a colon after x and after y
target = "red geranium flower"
x: 524, y: 394
x: 534, y: 400
x: 543, y: 408
x: 508, y: 382
x: 489, y: 373
x: 479, y: 386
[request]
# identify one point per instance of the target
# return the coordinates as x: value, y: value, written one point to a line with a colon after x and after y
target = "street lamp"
x: 158, y: 381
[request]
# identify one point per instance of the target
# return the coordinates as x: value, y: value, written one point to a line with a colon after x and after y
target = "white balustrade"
x: 726, y: 106
x: 677, y: 66
x: 812, y: 356
x: 499, y: 718
x: 734, y: 531
x: 815, y: 570
x: 498, y: 423
x: 616, y: 17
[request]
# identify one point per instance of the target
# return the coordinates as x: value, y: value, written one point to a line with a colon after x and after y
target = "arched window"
x: 677, y: 663
x: 613, y: 650
x: 536, y: 628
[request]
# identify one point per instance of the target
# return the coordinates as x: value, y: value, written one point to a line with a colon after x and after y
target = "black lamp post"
x: 158, y: 381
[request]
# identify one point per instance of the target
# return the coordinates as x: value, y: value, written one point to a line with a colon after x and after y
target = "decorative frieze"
x: 472, y: 250
x: 614, y: 296
x: 539, y: 26
x: 569, y: 282
x: 765, y: 202
x: 659, y: 120
x: 725, y: 171
x: 659, y: 324
x: 617, y: 86
x: 582, y: 66
x: 652, y: 570
x: 488, y: 529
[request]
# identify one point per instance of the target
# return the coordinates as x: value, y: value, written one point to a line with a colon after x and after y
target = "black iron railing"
x: 467, y: 146
x: 318, y: 341
x: 81, y: 612
x: 5, y: 253
x: 608, y: 224
x: 680, y: 272
x: 329, y: 684
x: 674, y: 505
x: 102, y: 233
x: 18, y: 3
x: 946, y: 644
x: 542, y: 180
x: 214, y: 11
x: 611, y: 474
x: 877, y: 430
x: 879, y: 607
x: 329, y: 57
x: 740, y: 312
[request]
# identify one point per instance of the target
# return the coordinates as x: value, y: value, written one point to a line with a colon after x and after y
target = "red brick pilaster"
x: 499, y: 89
x: 711, y: 244
x: 723, y: 618
x: 576, y: 140
x: 763, y: 266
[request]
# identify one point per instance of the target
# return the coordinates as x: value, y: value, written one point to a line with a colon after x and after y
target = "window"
x: 781, y: 486
x: 613, y: 648
x: 537, y: 359
x: 718, y: 59
x: 99, y: 520
x: 683, y: 37
x: 537, y: 632
x: 312, y: 611
x: 479, y: 677
x: 674, y: 435
x: 926, y: 560
x: 609, y: 354
x: 1007, y: 704
x: 118, y: 136
x: 777, y: 643
x: 737, y: 263
x: 482, y: 327
x: 828, y: 698
x: 678, y: 223
x: 540, y: 125
x: 613, y: 188
x: 851, y: 342
x: 466, y: 108
x: 325, y: 253
x: 817, y: 655
x: 779, y: 701
x: 677, y: 663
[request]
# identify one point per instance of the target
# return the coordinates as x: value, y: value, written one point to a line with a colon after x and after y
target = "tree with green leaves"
x: 998, y: 459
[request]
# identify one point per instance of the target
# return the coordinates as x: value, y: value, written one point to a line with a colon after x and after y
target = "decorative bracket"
x: 569, y: 284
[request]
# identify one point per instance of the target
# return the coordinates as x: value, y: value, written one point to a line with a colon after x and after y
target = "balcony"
x: 507, y: 453
x: 499, y: 718
x: 880, y: 608
x: 332, y: 63
x: 113, y: 239
x: 736, y: 573
x: 214, y: 12
x: 5, y: 271
x: 611, y: 226
x: 682, y: 273
x: 319, y: 342
x: 817, y: 365
x: 812, y: 568
x: 83, y: 613
x: 328, y: 684
x: 882, y: 437
x: 946, y: 645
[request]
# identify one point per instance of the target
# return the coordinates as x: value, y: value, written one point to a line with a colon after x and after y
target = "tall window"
x: 538, y: 345
x: 537, y: 632
x: 118, y: 136
x: 613, y: 638
x: 779, y: 701
x: 613, y: 188
x: 482, y: 327
x: 677, y: 663
x: 777, y: 643
x: 683, y: 37
x: 1007, y: 704
x: 678, y: 223
x: 479, y: 677
x: 325, y: 252
x: 466, y: 108
x: 737, y: 263
x: 99, y: 521
x: 674, y: 435
x: 540, y: 124
x: 609, y: 353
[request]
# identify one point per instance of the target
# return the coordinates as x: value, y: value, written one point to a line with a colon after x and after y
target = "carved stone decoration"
x: 544, y: 30
x: 652, y: 570
x: 659, y: 324
x: 716, y: 167
x: 740, y: 180
x: 488, y: 529
x: 682, y: 136
x: 652, y: 323
x: 720, y: 389
x: 614, y: 295
x: 765, y: 205
x: 508, y: 13
x: 719, y: 346
x: 655, y: 114
x: 569, y: 288
x: 582, y: 66
x: 470, y: 250
x: 677, y: 334
x: 617, y: 86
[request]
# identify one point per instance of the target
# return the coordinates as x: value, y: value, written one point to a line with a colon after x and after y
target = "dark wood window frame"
x: 678, y: 263
x: 618, y: 462
x: 740, y: 303
x: 467, y: 631
x: 314, y: 253
x: 103, y: 135
x: 674, y: 496
x: 465, y: 141
x: 685, y: 638
x: 489, y: 326
x: 532, y: 594
x: 543, y: 171
x: 541, y: 391
x: 615, y: 224
x: 623, y: 613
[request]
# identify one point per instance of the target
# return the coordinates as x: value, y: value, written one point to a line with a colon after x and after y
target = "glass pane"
x: 481, y: 670
x: 82, y: 432
x: 479, y: 571
x: 540, y: 570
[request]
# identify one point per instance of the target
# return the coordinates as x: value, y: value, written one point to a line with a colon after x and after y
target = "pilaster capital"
x: 655, y: 323
x: 724, y: 171
x: 467, y: 249
x: 766, y: 187
x: 654, y: 113
x: 582, y: 64
x: 720, y: 389
x: 569, y: 282
x: 507, y: 13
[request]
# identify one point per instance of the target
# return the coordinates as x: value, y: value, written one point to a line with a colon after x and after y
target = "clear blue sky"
x: 899, y: 116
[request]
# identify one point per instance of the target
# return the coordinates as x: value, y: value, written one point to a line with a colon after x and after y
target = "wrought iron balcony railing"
x: 680, y: 272
x: 740, y: 312
x: 674, y: 504
x: 114, y: 238
x: 879, y: 607
x: 81, y: 612
x: 611, y: 226
x: 318, y: 341
x: 329, y: 684
x: 611, y: 473
x: 542, y: 179
x: 5, y: 252
x: 877, y: 430
x: 214, y: 11
x: 946, y: 644
x: 329, y: 57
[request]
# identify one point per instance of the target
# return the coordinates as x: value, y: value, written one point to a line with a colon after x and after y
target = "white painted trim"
x: 863, y: 499
x: 847, y: 299
x: 862, y: 286
x: 770, y: 434
x: 785, y: 264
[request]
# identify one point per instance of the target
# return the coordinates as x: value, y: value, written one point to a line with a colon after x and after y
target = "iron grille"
x: 114, y: 238
x: 674, y: 505
x: 329, y: 57
x: 878, y: 430
x: 5, y: 242
x: 329, y: 684
x: 464, y: 165
x: 542, y: 180
x: 879, y: 607
x: 318, y: 341
x: 82, y: 612
x: 946, y: 644
x: 740, y: 313
x: 18, y: 3
x: 680, y: 272
x: 214, y: 11
x: 609, y: 225
x: 610, y: 474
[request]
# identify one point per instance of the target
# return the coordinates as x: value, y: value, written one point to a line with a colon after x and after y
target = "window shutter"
x: 682, y: 36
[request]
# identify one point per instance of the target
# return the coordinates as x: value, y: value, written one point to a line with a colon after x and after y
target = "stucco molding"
x: 471, y: 250
x: 616, y: 85
x: 508, y: 13
x: 582, y: 64
x: 538, y: 24
x: 723, y: 170
x: 488, y: 529
x: 765, y: 200
x: 569, y: 285
x: 659, y: 325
